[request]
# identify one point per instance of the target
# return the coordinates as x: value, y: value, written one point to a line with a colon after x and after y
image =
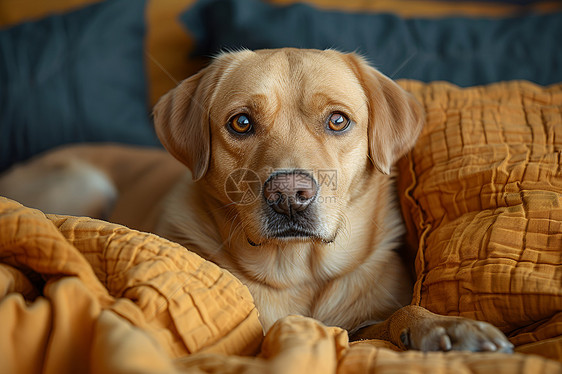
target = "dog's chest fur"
x: 358, y: 277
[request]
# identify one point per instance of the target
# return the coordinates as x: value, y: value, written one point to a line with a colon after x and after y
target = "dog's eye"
x: 338, y: 122
x: 240, y: 123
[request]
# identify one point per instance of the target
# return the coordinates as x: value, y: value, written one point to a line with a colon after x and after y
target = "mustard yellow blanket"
x: 80, y: 295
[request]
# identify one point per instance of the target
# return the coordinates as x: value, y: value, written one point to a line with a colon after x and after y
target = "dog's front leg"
x: 414, y: 327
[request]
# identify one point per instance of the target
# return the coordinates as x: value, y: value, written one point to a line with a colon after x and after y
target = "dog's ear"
x: 395, y: 117
x: 182, y: 118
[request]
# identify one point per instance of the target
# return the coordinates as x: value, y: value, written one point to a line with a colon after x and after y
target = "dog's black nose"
x: 289, y: 192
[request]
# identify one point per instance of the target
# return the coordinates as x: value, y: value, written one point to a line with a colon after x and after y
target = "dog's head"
x: 287, y: 138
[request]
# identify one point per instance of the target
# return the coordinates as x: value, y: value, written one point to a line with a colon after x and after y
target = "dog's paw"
x: 455, y: 334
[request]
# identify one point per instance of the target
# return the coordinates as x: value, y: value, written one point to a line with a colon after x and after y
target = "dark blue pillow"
x: 465, y: 51
x: 75, y: 77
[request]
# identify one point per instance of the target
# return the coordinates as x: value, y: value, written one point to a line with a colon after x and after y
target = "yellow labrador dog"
x: 291, y: 190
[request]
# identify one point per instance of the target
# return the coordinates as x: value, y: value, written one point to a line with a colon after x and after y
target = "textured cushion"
x: 482, y: 194
x: 74, y: 77
x: 462, y: 50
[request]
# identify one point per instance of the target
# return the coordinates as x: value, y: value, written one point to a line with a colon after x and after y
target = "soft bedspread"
x: 81, y: 295
x: 482, y: 196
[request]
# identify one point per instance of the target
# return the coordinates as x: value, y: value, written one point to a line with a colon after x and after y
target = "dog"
x: 291, y: 190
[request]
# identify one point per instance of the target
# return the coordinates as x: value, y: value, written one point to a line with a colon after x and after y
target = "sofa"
x: 480, y: 193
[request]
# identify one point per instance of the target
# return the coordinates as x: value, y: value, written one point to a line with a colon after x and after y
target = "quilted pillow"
x: 482, y: 195
x: 74, y: 77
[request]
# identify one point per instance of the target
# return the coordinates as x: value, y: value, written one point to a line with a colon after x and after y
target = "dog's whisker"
x: 223, y: 207
x: 345, y: 224
x: 235, y: 231
x: 232, y: 228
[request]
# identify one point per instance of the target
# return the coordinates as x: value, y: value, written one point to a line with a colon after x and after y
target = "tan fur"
x: 339, y: 283
x: 347, y: 270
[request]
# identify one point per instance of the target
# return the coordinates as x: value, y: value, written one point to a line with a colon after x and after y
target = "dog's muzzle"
x: 290, y: 211
x: 289, y: 193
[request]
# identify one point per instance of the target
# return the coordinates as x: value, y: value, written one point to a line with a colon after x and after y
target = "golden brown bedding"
x: 482, y: 195
x: 82, y: 295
